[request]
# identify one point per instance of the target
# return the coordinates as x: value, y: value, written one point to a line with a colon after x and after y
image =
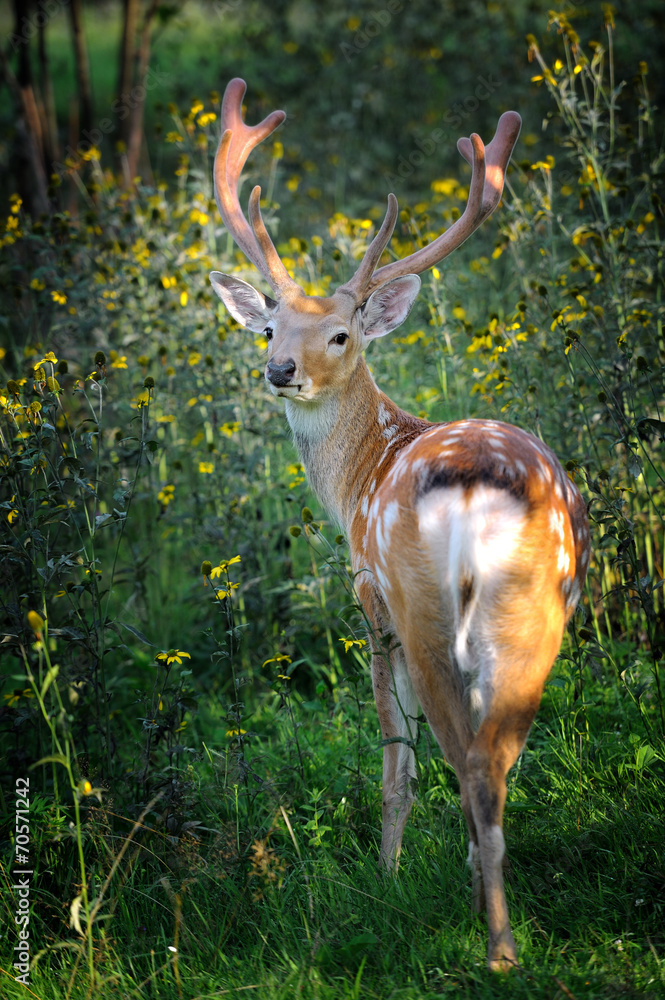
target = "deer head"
x: 314, y: 342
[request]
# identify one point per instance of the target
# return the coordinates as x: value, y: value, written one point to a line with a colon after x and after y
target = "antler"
x: 235, y: 145
x: 488, y: 172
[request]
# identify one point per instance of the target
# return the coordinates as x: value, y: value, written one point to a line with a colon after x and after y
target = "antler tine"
x: 488, y: 172
x: 236, y: 143
x: 374, y: 251
x: 272, y: 258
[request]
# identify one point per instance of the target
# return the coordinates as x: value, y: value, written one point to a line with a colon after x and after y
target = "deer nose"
x: 281, y: 374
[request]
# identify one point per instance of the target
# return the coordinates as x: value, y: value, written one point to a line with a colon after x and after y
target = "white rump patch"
x: 473, y: 541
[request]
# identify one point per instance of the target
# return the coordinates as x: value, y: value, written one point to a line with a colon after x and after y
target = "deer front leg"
x: 397, y: 707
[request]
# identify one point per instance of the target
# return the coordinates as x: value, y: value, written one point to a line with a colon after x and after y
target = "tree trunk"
x: 31, y: 172
x: 126, y: 67
x: 51, y: 145
x: 138, y: 103
x: 82, y: 65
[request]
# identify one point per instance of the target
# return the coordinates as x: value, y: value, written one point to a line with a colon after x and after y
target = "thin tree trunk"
x: 126, y: 67
x: 50, y: 122
x: 82, y: 65
x: 29, y: 135
x: 138, y: 110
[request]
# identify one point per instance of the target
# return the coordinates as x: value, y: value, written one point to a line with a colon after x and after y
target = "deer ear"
x: 388, y: 307
x: 249, y: 307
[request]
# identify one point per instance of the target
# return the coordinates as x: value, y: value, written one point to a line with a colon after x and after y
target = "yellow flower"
x: 35, y: 622
x: 59, y: 297
x: 349, y: 643
x: 446, y: 186
x: 37, y: 284
x: 223, y: 566
x: 206, y: 467
x: 280, y: 658
x: 236, y: 732
x: 170, y: 656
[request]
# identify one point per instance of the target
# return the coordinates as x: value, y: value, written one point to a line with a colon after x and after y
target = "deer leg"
x: 397, y: 708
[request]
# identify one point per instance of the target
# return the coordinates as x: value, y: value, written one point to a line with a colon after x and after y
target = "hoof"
x: 503, y: 964
x: 502, y: 954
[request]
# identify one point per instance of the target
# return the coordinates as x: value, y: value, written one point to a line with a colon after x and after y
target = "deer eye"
x: 268, y: 332
x: 340, y: 339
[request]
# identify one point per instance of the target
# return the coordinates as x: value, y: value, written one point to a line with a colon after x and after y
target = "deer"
x: 469, y: 543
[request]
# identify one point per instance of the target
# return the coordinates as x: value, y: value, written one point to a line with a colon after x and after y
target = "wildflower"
x: 59, y: 297
x: 37, y: 285
x: 35, y: 622
x: 280, y: 658
x: 236, y: 732
x: 206, y: 467
x: 117, y: 360
x: 349, y: 643
x: 223, y: 567
x: 148, y: 382
x: 15, y: 696
x: 229, y: 429
x: 169, y: 656
x: 165, y: 495
x: 445, y: 187
x: 222, y: 594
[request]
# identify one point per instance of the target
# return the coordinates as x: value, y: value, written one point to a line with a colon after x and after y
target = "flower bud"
x: 307, y: 516
x: 295, y: 530
x: 36, y: 622
x: 100, y: 358
x: 149, y: 382
x: 206, y: 567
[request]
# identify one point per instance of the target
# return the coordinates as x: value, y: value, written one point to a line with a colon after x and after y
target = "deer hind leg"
x: 512, y: 703
x: 397, y: 708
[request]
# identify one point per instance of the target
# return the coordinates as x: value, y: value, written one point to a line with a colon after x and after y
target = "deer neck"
x: 348, y: 441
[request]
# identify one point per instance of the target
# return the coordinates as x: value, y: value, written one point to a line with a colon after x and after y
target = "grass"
x: 198, y: 729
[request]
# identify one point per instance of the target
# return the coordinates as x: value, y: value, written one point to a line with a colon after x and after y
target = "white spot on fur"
x: 390, y: 517
x: 521, y: 467
x: 556, y: 522
x: 384, y: 582
x: 364, y: 505
x: 575, y: 594
x: 563, y: 561
x: 390, y: 432
x: 383, y: 414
